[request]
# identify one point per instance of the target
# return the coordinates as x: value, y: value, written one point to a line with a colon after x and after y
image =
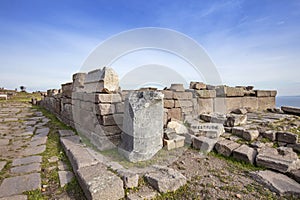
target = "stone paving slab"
x: 27, y: 160
x: 33, y: 167
x: 65, y: 177
x: 36, y: 141
x: 42, y: 131
x: 62, y: 166
x: 34, y: 150
x: 2, y: 164
x: 15, y: 197
x: 4, y: 142
x: 19, y: 184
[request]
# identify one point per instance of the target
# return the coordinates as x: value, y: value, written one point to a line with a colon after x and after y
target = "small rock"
x: 165, y: 179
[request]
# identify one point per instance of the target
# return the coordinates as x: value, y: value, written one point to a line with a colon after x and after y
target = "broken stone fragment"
x: 282, y: 159
x: 177, y: 126
x: 204, y: 144
x: 245, y: 153
x: 235, y: 120
x: 226, y: 147
x: 250, y: 135
x: 287, y: 137
x: 165, y: 179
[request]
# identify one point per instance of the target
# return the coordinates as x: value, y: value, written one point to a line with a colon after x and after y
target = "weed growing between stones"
x: 50, y: 180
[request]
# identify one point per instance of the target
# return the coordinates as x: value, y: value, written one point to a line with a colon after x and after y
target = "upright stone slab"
x: 142, y: 135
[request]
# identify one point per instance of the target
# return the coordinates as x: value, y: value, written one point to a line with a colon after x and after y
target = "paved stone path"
x: 23, y: 137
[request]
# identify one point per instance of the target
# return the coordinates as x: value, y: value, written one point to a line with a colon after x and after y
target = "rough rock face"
x: 142, y: 135
x: 282, y: 159
x: 165, y: 179
x: 279, y: 183
x: 101, y: 79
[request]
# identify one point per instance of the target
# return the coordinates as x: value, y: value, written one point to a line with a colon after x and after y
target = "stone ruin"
x: 134, y: 120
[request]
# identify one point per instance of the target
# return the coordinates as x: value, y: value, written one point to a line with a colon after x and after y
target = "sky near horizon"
x: 44, y: 42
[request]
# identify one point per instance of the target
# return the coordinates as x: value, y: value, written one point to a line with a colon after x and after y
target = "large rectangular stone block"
x: 265, y: 93
x: 205, y: 105
x: 174, y: 113
x: 206, y: 93
x: 105, y: 108
x: 183, y: 103
x: 264, y: 103
x: 183, y: 95
x: 169, y: 103
x: 225, y: 91
x: 168, y: 94
x: 142, y: 135
x: 113, y: 119
x: 250, y: 102
x: 108, y: 98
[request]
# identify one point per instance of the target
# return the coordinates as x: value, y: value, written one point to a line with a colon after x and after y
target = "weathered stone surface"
x: 287, y: 137
x: 34, y: 150
x: 206, y: 93
x: 105, y: 108
x: 265, y: 93
x: 183, y: 95
x: 130, y: 179
x: 2, y: 164
x: 120, y: 107
x: 295, y: 174
x: 19, y: 184
x: 97, y: 80
x: 183, y: 104
x: 226, y: 147
x: 235, y: 120
x: 69, y: 141
x: 250, y: 135
x: 53, y: 159
x: 65, y: 177
x: 238, y: 131
x: 142, y: 134
x: 99, y: 183
x: 15, y: 197
x: 245, y: 153
x: 67, y: 89
x: 38, y: 140
x: 4, y: 142
x: 270, y: 134
x: 33, y: 167
x: 168, y: 103
x: 177, y: 87
x: 78, y: 82
x: 80, y: 157
x: 205, y: 105
x: 279, y: 183
x: 210, y: 130
x: 263, y: 103
x: 108, y: 98
x: 214, y: 118
x: 168, y: 94
x: 174, y: 113
x: 291, y: 110
x: 282, y: 159
x: 177, y: 126
x: 142, y: 195
x: 64, y: 133
x: 169, y: 144
x: 165, y: 179
x: 113, y: 119
x: 204, y: 144
x: 225, y: 91
x: 197, y: 85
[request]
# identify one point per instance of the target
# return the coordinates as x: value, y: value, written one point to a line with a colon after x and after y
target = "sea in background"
x: 288, y: 101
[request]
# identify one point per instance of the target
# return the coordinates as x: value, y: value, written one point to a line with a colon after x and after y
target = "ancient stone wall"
x: 93, y: 103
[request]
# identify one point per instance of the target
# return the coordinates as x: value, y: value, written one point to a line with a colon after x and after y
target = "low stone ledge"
x: 99, y: 183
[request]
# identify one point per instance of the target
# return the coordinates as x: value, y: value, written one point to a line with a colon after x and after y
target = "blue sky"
x: 42, y: 43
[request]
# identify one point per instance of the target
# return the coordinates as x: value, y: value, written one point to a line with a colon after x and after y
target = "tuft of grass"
x: 34, y: 195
